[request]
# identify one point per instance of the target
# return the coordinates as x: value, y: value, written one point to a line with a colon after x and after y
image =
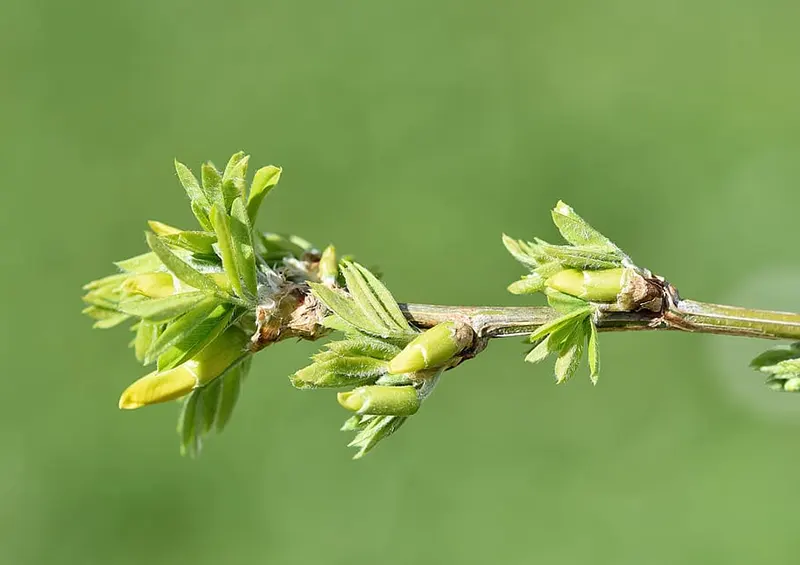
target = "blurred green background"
x: 412, y: 134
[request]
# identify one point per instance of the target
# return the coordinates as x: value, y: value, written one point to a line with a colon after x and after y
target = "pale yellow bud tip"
x: 158, y: 387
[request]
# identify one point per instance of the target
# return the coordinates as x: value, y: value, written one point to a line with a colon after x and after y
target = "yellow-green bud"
x: 594, y: 286
x: 381, y: 400
x: 210, y: 363
x: 328, y: 266
x: 432, y: 348
x: 152, y: 285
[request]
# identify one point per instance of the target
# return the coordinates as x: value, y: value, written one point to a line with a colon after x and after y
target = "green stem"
x: 685, y: 315
x: 732, y: 320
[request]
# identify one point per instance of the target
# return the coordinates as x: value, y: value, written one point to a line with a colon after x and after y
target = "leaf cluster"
x: 194, y: 284
x: 782, y: 366
x: 375, y: 331
x: 587, y: 249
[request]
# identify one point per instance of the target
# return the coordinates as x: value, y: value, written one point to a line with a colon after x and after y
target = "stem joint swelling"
x: 203, y: 301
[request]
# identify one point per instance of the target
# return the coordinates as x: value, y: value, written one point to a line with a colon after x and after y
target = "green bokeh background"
x: 412, y: 134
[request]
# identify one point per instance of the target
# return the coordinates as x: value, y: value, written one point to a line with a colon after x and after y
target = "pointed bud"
x: 433, y: 348
x: 381, y: 400
x: 594, y: 286
x: 209, y: 364
x: 152, y: 285
x: 328, y: 266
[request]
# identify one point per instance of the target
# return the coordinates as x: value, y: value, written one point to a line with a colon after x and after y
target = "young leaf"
x: 594, y: 356
x: 564, y: 303
x: 161, y: 309
x: 187, y: 425
x: 576, y: 230
x: 222, y: 227
x: 569, y: 356
x: 180, y: 268
x: 209, y: 399
x: 180, y: 328
x: 522, y: 252
x: 584, y: 258
x: 146, y: 335
x: 529, y: 284
x: 378, y: 428
x: 198, y: 338
x: 111, y: 321
x: 233, y: 178
x: 387, y: 302
x: 190, y: 185
x: 212, y: 186
x: 558, y: 323
x: 199, y: 242
x: 345, y: 308
x: 540, y: 352
x: 264, y: 181
x: 242, y: 243
x: 339, y: 371
x: 231, y: 386
x: 776, y: 355
x: 146, y: 263
x: 367, y: 300
x: 364, y: 346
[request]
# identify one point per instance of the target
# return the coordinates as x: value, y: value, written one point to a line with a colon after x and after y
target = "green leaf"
x: 146, y: 263
x: 242, y: 244
x: 594, y: 356
x: 222, y: 227
x: 198, y: 338
x: 564, y: 303
x: 162, y: 309
x: 146, y: 335
x: 199, y: 242
x: 339, y: 371
x: 233, y: 178
x: 522, y: 251
x: 540, y: 352
x: 231, y: 387
x: 576, y: 230
x: 264, y: 181
x: 347, y: 309
x: 583, y: 258
x: 190, y: 184
x: 377, y: 429
x: 569, y: 356
x: 374, y: 300
x: 529, y: 284
x: 187, y: 425
x: 111, y: 321
x: 209, y: 400
x: 180, y: 268
x: 776, y: 355
x: 181, y: 328
x: 364, y: 346
x: 559, y: 323
x: 385, y: 299
x: 212, y: 186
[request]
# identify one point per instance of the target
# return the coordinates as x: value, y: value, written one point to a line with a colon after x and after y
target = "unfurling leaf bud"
x: 209, y: 364
x: 594, y: 286
x: 381, y: 400
x: 328, y: 267
x: 152, y: 285
x: 433, y: 348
